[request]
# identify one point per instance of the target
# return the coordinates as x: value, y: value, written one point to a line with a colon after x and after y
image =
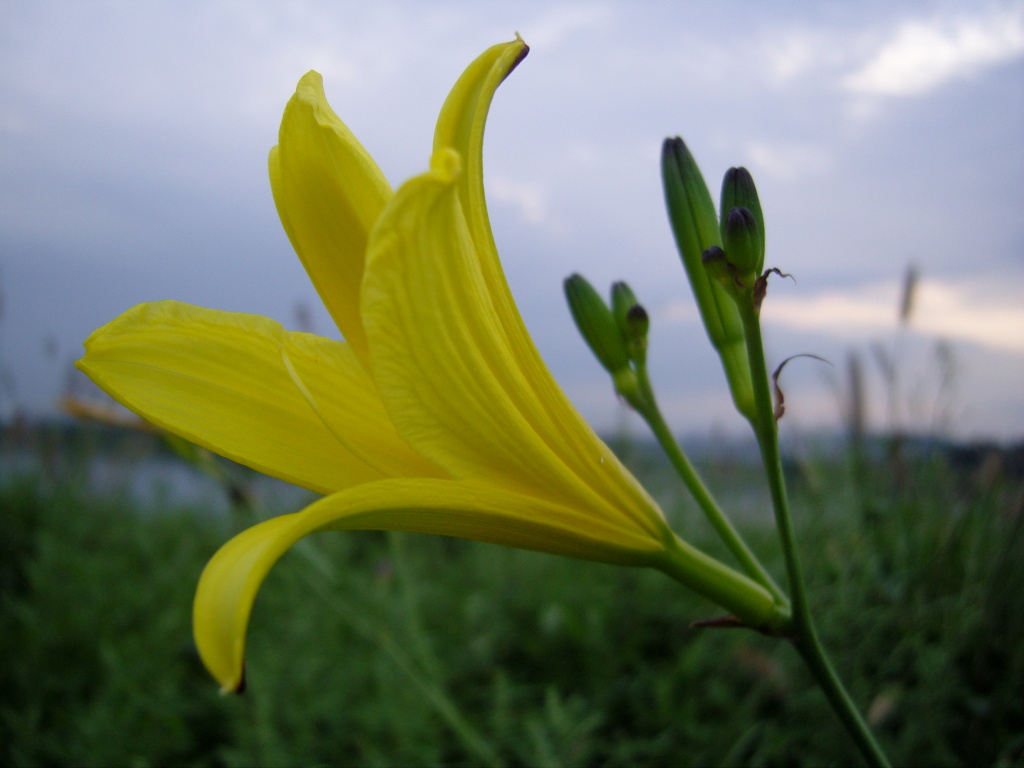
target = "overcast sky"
x: 134, y: 138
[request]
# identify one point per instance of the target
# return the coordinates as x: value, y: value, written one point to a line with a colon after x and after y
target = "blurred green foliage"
x: 365, y: 648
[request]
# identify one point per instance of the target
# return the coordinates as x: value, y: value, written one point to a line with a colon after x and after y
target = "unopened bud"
x: 638, y: 321
x: 742, y: 243
x: 691, y: 210
x: 738, y: 191
x: 632, y: 321
x: 696, y: 228
x: 596, y: 324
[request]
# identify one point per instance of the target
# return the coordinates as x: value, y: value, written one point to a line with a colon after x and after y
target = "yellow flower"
x: 435, y: 415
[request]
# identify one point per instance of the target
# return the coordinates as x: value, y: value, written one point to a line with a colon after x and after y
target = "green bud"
x: 695, y: 225
x: 596, y: 324
x: 690, y: 207
x: 639, y: 322
x: 742, y: 244
x: 623, y: 299
x: 738, y: 191
x: 632, y: 321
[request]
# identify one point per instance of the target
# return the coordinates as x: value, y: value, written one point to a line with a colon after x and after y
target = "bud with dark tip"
x: 742, y: 244
x: 738, y: 191
x: 632, y: 320
x: 691, y: 212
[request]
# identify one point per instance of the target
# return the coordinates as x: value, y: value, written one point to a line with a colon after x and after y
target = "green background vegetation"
x: 390, y: 649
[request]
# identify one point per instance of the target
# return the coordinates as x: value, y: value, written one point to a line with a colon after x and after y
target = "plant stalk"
x: 806, y: 641
x: 648, y: 408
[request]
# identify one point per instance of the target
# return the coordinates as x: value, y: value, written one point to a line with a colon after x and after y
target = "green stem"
x: 647, y: 406
x: 746, y: 600
x: 813, y: 653
x: 806, y: 641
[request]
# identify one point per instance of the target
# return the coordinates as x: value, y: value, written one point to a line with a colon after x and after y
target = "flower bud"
x: 596, y: 324
x: 632, y: 321
x: 738, y: 191
x: 690, y: 207
x: 742, y: 244
x: 639, y: 321
x: 696, y: 228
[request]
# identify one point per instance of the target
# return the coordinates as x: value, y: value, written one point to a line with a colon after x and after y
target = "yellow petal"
x: 344, y: 397
x: 460, y: 126
x: 230, y: 581
x: 444, y: 368
x: 219, y: 380
x: 329, y: 192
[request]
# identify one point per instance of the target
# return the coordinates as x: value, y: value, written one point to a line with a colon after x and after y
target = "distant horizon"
x: 830, y: 436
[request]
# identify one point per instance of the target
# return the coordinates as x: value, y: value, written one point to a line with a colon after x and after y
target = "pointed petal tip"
x: 523, y: 52
x: 91, y: 339
x: 310, y: 93
x: 234, y: 686
x: 312, y: 77
x: 309, y: 89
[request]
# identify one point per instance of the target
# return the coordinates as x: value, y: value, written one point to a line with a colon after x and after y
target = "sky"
x: 134, y: 140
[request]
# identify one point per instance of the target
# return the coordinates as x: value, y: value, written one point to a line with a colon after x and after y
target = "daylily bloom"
x: 435, y: 415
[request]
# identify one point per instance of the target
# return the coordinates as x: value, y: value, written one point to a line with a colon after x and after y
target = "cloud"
x: 787, y: 161
x: 924, y: 55
x: 135, y: 146
x: 966, y: 312
x: 790, y: 57
x: 789, y: 54
x: 527, y: 197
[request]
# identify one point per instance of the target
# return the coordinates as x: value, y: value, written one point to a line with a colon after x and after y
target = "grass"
x: 390, y: 649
